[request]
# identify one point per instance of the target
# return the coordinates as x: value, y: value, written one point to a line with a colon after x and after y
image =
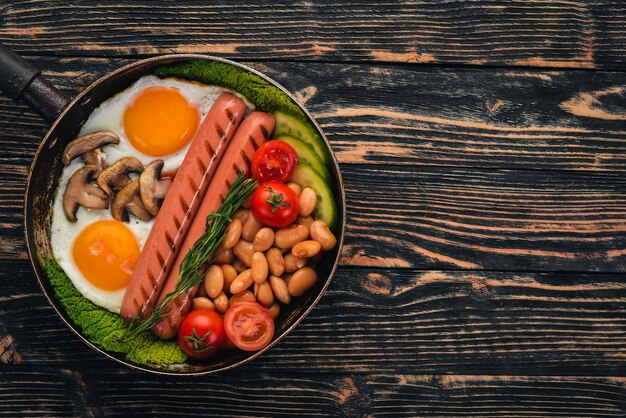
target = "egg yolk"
x: 160, y: 121
x: 105, y: 252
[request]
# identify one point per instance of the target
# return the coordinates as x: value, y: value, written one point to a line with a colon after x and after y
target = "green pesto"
x: 265, y: 96
x: 101, y: 326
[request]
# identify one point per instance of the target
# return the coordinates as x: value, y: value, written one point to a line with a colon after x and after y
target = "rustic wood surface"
x: 483, y: 150
x: 562, y: 34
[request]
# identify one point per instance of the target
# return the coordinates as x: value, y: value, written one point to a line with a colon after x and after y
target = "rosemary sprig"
x: 200, y: 255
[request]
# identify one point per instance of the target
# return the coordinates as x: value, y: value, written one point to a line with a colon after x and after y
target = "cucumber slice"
x: 326, y: 209
x: 287, y: 124
x: 307, y: 154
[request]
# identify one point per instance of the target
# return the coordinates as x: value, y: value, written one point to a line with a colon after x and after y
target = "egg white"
x: 109, y: 116
x: 62, y: 236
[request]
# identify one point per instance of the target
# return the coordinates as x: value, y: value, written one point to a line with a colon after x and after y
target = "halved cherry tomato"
x: 274, y: 204
x: 249, y: 326
x: 274, y: 161
x: 201, y: 334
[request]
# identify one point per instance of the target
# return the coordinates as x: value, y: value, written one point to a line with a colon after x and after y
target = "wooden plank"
x: 94, y: 393
x: 440, y: 396
x: 474, y: 219
x: 578, y: 34
x: 393, y: 321
x: 377, y: 114
x: 441, y: 218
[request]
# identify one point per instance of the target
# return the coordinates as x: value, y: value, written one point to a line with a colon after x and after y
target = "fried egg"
x: 154, y: 119
x: 96, y: 252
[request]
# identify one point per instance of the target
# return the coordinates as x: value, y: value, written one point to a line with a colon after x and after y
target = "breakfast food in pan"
x: 191, y: 211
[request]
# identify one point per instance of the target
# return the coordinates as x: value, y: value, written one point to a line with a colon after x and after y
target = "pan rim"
x: 33, y: 255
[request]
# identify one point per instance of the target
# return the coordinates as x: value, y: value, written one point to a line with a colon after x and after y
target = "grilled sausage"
x: 253, y: 132
x: 180, y: 205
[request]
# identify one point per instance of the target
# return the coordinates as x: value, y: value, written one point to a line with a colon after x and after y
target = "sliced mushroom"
x: 80, y: 192
x: 115, y: 178
x: 128, y: 200
x: 87, y: 143
x: 96, y: 158
x: 152, y: 188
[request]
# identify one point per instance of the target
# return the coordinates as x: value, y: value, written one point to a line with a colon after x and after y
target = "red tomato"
x: 274, y: 204
x: 274, y: 161
x: 201, y: 334
x: 249, y: 326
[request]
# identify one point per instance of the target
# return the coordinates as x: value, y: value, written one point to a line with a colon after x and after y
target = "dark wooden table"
x: 483, y: 146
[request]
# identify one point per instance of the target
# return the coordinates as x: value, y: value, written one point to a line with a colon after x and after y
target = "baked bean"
x: 293, y: 263
x: 301, y: 281
x: 250, y: 228
x: 233, y: 233
x: 202, y: 303
x: 305, y: 220
x: 242, y: 282
x: 214, y: 281
x: 308, y: 200
x: 306, y: 249
x: 323, y: 235
x: 223, y: 255
x: 239, y: 266
x: 295, y: 187
x: 291, y: 235
x: 263, y: 239
x: 256, y: 289
x: 243, y: 250
x: 242, y: 215
x: 246, y: 296
x: 274, y: 310
x: 275, y: 261
x: 265, y: 295
x: 259, y: 267
x: 221, y: 303
x: 279, y: 287
x: 230, y: 274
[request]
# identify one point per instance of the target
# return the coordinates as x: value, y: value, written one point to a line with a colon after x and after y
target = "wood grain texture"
x: 374, y: 114
x: 393, y: 321
x: 572, y: 34
x: 475, y: 219
x: 435, y: 217
x: 91, y: 393
x: 449, y: 163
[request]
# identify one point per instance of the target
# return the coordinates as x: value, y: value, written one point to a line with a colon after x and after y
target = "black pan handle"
x: 21, y: 80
